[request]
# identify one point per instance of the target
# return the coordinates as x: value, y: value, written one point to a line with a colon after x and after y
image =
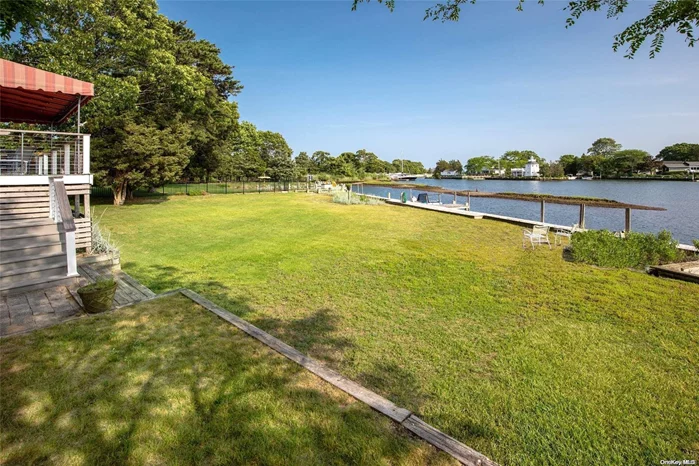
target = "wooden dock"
x: 475, y: 215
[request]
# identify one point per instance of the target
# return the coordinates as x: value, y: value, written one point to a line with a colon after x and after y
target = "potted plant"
x: 97, y: 297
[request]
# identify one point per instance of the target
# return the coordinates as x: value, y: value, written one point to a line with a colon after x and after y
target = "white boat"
x: 572, y: 177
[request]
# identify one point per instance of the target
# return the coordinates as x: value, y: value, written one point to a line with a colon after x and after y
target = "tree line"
x: 605, y: 157
x: 265, y: 153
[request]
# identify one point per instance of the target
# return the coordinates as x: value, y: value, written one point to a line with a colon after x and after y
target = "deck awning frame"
x: 31, y: 95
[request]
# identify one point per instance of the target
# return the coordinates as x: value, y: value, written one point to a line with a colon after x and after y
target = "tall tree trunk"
x: 119, y: 190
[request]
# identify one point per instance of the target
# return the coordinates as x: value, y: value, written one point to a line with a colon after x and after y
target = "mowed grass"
x: 522, y: 355
x: 167, y: 382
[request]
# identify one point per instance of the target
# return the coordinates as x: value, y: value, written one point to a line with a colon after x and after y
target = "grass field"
x: 167, y: 382
x: 522, y: 355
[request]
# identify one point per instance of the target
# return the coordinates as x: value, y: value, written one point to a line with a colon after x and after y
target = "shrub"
x: 102, y: 244
x: 636, y: 250
x: 695, y: 242
x: 196, y: 192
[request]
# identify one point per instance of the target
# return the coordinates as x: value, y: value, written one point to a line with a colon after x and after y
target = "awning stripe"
x: 16, y: 75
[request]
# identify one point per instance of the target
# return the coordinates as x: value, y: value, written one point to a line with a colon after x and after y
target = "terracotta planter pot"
x: 96, y: 301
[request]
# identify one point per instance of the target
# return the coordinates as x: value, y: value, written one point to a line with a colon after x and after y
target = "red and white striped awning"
x: 32, y: 95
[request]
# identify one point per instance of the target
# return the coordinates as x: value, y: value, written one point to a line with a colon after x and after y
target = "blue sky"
x: 331, y: 79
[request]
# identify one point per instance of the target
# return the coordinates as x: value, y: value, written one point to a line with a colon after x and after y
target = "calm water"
x: 681, y: 199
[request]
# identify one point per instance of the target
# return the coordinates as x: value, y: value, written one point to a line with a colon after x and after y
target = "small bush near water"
x: 352, y: 198
x: 636, y: 250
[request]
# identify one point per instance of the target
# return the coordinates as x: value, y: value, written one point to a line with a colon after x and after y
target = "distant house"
x: 493, y: 171
x: 676, y: 167
x: 517, y: 172
x: 450, y: 174
x: 531, y: 169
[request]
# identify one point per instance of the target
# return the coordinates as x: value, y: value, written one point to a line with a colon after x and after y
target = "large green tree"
x: 456, y: 166
x: 244, y: 161
x: 629, y: 161
x: 604, y: 147
x: 276, y: 154
x: 570, y: 164
x: 681, y: 152
x: 475, y: 165
x: 664, y: 15
x: 518, y: 158
x: 156, y: 87
x: 441, y: 166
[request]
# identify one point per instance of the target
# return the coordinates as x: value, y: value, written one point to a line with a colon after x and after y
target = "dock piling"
x: 581, y: 220
x: 543, y: 210
x: 627, y: 223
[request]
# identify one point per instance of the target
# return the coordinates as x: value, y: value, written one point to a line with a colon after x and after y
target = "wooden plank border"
x: 417, y: 426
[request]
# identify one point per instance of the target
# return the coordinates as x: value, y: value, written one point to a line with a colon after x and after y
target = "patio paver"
x: 25, y: 312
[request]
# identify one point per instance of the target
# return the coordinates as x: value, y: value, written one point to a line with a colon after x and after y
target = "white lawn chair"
x: 537, y: 235
x: 560, y: 233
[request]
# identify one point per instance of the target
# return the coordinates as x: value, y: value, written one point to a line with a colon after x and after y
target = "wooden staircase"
x: 32, y: 255
x: 37, y: 251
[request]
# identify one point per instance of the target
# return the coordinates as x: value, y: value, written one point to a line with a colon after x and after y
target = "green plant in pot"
x: 97, y: 297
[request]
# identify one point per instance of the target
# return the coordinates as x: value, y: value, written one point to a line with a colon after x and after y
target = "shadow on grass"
x: 108, y: 201
x: 167, y: 382
x: 315, y: 334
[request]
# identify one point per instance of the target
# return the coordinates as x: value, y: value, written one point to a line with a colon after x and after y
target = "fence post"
x: 581, y: 220
x: 226, y: 188
x: 186, y: 187
x: 207, y: 184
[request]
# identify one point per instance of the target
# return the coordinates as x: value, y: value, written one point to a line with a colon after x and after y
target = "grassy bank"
x: 167, y: 382
x: 526, y: 357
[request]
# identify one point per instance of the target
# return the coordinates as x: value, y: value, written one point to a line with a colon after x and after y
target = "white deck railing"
x: 43, y: 153
x: 60, y: 212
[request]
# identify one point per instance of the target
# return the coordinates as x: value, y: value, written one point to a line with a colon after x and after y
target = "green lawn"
x: 167, y: 382
x: 522, y: 355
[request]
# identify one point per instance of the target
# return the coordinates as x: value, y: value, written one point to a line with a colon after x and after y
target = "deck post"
x: 581, y: 220
x: 70, y: 254
x: 86, y: 154
x: 543, y: 210
x: 66, y: 159
x: 627, y: 224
